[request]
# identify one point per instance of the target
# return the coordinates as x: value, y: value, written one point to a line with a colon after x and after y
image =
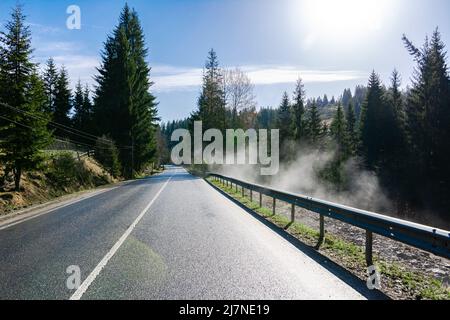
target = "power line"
x: 60, y: 139
x: 65, y: 128
x: 50, y: 121
x: 55, y: 124
x: 20, y: 124
x: 66, y: 140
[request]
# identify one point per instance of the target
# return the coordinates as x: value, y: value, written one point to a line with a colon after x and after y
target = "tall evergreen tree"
x: 325, y: 101
x: 124, y: 107
x: 370, y: 123
x: 396, y: 172
x: 314, y: 124
x: 211, y: 103
x: 346, y: 98
x: 396, y: 102
x: 88, y: 110
x: 23, y: 130
x: 429, y: 118
x: 62, y: 103
x: 82, y: 109
x: 339, y: 132
x: 50, y: 82
x: 351, y: 128
x: 335, y: 172
x: 333, y: 101
x: 298, y: 108
x: 78, y: 100
x: 358, y: 99
x: 285, y: 119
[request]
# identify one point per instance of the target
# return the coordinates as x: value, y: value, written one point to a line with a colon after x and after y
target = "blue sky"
x: 331, y: 44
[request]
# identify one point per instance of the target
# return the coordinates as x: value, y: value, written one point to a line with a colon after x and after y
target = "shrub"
x: 107, y: 154
x: 65, y: 171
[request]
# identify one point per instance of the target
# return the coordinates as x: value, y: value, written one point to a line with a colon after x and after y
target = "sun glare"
x: 344, y: 19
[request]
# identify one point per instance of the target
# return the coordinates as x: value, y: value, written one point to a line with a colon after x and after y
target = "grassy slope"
x: 53, y: 180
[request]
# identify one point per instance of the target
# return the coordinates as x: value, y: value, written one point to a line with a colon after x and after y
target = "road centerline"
x: 93, y: 275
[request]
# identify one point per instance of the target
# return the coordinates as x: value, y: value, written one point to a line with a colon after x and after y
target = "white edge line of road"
x: 33, y: 216
x: 18, y: 219
x: 88, y: 281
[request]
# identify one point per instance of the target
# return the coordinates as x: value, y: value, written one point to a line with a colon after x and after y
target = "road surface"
x: 171, y: 236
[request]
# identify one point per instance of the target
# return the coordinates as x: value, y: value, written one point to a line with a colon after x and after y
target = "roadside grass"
x: 397, y: 281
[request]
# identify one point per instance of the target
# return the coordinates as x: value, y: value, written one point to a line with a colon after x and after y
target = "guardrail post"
x: 251, y: 195
x: 260, y: 200
x: 293, y: 213
x: 243, y: 191
x: 236, y: 187
x: 274, y: 205
x: 369, y: 243
x: 322, y: 230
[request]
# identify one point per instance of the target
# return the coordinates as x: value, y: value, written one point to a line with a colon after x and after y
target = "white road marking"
x: 8, y: 225
x: 86, y: 283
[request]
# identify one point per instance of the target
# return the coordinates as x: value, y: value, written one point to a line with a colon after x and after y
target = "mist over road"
x: 171, y: 236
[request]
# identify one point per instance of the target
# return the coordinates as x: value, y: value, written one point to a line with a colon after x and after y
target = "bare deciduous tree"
x: 238, y: 90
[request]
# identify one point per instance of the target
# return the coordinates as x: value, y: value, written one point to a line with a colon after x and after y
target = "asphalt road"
x: 172, y: 236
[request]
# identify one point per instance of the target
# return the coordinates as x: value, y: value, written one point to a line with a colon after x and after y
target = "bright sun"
x: 343, y: 19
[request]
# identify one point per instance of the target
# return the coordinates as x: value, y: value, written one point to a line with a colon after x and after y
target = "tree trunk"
x: 17, y: 176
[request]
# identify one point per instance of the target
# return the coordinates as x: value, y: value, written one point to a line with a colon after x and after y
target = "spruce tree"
x: 211, y: 103
x: 78, y: 101
x: 429, y: 119
x: 395, y: 172
x: 396, y: 102
x: 23, y: 129
x: 351, y: 128
x: 325, y: 101
x: 370, y: 124
x: 314, y: 124
x: 62, y: 104
x: 346, y: 97
x: 88, y: 110
x: 50, y: 81
x: 82, y: 109
x: 339, y: 132
x: 285, y: 119
x: 107, y: 154
x: 298, y: 108
x: 124, y: 107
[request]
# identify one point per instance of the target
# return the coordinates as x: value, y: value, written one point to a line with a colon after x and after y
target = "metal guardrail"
x: 427, y: 238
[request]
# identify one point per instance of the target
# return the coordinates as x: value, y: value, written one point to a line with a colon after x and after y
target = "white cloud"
x: 170, y: 78
x: 275, y: 75
x: 58, y: 46
x: 79, y: 67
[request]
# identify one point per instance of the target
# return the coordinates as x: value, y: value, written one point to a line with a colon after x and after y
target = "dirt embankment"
x: 57, y: 177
